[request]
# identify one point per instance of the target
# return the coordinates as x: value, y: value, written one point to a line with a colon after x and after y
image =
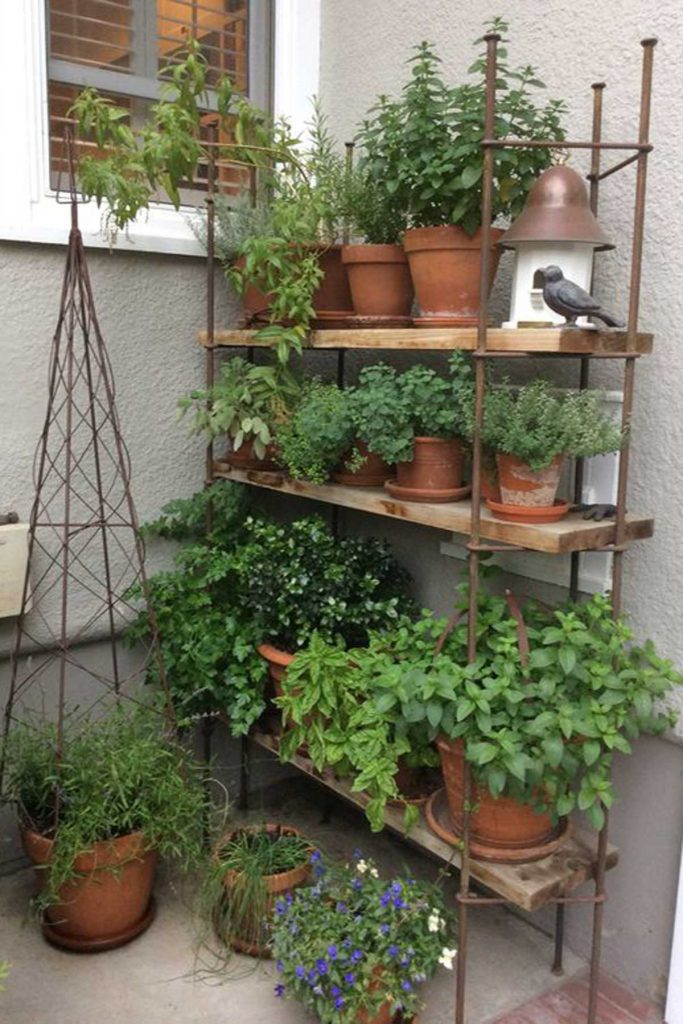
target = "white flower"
x: 361, y: 867
x: 374, y: 873
x: 447, y: 957
x: 435, y: 922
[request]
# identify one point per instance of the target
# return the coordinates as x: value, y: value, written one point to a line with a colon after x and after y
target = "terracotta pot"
x: 277, y: 664
x: 246, y: 458
x: 500, y: 823
x: 255, y: 304
x: 254, y: 928
x: 109, y: 903
x: 436, y: 469
x: 415, y: 784
x: 333, y: 293
x: 379, y: 278
x: 372, y: 473
x: 521, y: 485
x: 445, y: 268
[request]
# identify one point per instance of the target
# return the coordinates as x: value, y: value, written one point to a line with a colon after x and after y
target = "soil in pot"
x: 379, y: 279
x: 415, y: 784
x: 434, y: 474
x: 109, y: 903
x: 445, y: 267
x: 245, y: 458
x: 249, y: 928
x: 526, y: 494
x: 501, y: 829
x: 372, y: 473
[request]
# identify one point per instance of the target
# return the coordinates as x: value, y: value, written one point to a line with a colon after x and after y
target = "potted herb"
x: 356, y: 948
x: 96, y: 815
x: 531, y: 430
x: 377, y: 268
x: 418, y: 419
x: 322, y: 438
x: 539, y: 732
x: 426, y: 149
x: 253, y: 869
x: 244, y: 404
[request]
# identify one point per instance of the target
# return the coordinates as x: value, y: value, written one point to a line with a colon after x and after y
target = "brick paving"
x: 567, y: 1005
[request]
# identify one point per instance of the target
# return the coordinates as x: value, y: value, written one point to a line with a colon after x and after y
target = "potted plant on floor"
x: 418, y: 420
x: 355, y: 948
x: 95, y: 816
x: 244, y: 404
x: 539, y: 730
x: 531, y: 430
x: 253, y: 870
x: 377, y: 268
x: 426, y: 149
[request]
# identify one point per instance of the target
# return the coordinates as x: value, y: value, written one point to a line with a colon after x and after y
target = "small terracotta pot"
x: 445, y: 268
x: 379, y: 278
x: 521, y: 485
x: 277, y: 664
x: 245, y: 458
x: 500, y: 824
x: 436, y: 469
x: 253, y: 937
x: 109, y: 903
x: 333, y: 293
x: 372, y: 473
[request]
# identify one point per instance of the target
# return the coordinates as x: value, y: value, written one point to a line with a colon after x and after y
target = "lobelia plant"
x: 354, y: 941
x: 536, y: 425
x: 425, y: 147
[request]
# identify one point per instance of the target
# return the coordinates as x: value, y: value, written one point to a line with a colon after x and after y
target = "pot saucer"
x: 359, y: 480
x: 424, y: 494
x: 329, y: 319
x: 448, y: 321
x: 440, y: 821
x: 528, y: 513
x: 360, y: 321
x: 52, y: 934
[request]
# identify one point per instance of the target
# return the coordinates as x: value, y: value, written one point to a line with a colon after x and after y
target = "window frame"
x: 29, y: 211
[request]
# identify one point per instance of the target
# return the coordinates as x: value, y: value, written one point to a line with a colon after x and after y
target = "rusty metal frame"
x: 596, y: 146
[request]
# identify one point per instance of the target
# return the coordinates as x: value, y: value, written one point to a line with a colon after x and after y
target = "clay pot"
x: 372, y: 473
x: 109, y: 903
x: 501, y: 825
x: 333, y: 293
x: 245, y: 458
x: 277, y: 664
x: 379, y: 279
x: 434, y: 474
x: 414, y: 784
x: 445, y: 268
x: 521, y: 485
x: 254, y: 928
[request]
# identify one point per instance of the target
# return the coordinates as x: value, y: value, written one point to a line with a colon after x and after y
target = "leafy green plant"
x: 320, y: 431
x: 116, y: 775
x: 543, y: 732
x: 354, y: 940
x: 227, y: 503
x: 244, y: 404
x: 425, y: 147
x: 297, y: 579
x: 536, y: 425
x: 370, y: 211
x: 391, y: 409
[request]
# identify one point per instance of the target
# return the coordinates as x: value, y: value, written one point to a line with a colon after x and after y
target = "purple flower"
x: 406, y: 986
x: 357, y: 854
x: 385, y: 899
x: 356, y: 956
x: 341, y: 907
x: 357, y: 884
x: 384, y: 928
x: 321, y: 964
x: 350, y: 978
x: 300, y: 972
x: 279, y: 966
x: 335, y: 990
x: 339, y: 1002
x: 315, y: 856
x: 405, y: 961
x: 293, y: 928
x: 396, y: 888
x: 393, y: 951
x: 279, y: 990
x: 289, y: 899
x: 280, y: 908
x: 318, y: 870
x: 399, y: 904
x: 346, y: 943
x: 312, y: 976
x: 332, y: 950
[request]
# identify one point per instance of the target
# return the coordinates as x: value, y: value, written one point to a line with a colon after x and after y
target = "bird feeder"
x: 556, y: 226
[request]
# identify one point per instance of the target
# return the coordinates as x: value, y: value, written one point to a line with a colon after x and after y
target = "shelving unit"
x: 580, y: 859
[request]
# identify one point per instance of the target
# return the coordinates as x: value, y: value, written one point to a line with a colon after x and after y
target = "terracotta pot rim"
x: 275, y: 654
x: 446, y: 236
x: 275, y: 880
x: 102, y: 855
x: 427, y: 439
x: 370, y: 252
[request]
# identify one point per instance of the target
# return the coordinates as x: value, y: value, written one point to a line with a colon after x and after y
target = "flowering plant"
x: 354, y: 941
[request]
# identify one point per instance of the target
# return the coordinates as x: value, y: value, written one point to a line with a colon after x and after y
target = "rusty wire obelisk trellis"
x: 85, y: 549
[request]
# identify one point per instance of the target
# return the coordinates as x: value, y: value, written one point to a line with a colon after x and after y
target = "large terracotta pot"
x: 277, y: 664
x: 434, y: 473
x: 245, y: 458
x: 521, y: 485
x: 333, y: 293
x: 372, y: 473
x: 109, y: 902
x: 379, y: 278
x: 445, y: 267
x: 499, y: 824
x: 254, y: 928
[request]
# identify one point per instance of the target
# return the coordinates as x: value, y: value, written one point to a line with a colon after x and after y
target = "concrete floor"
x: 156, y: 980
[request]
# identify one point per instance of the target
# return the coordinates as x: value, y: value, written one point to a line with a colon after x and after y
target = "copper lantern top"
x: 557, y: 210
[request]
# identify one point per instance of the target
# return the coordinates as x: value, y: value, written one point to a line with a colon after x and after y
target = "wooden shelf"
x: 573, y: 341
x: 528, y: 886
x: 571, y: 534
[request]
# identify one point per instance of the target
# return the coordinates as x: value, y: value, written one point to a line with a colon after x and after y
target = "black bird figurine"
x: 570, y: 300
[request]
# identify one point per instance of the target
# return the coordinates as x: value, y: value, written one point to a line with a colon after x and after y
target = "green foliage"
x: 4, y: 974
x: 370, y: 211
x: 236, y: 220
x: 186, y: 518
x: 320, y: 431
x: 425, y: 147
x: 296, y: 579
x: 165, y: 151
x: 116, y: 775
x: 546, y: 733
x: 244, y: 403
x: 535, y: 425
x: 352, y: 941
x: 392, y: 409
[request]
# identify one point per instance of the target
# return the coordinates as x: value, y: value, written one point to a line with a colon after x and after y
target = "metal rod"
x: 490, y: 143
x: 497, y: 354
x: 557, y: 967
x: 613, y: 170
x: 348, y: 157
x: 244, y: 774
x: 210, y: 300
x: 598, y: 917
